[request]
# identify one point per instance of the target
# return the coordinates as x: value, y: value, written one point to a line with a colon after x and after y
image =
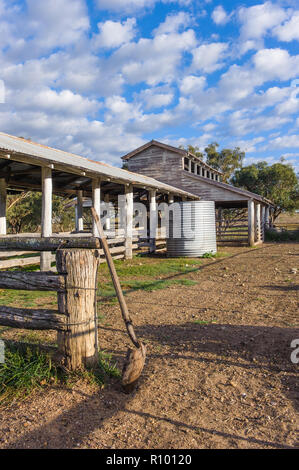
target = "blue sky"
x: 101, y: 77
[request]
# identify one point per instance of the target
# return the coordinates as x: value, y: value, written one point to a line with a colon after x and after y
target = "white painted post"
x: 258, y: 223
x: 204, y: 172
x: 96, y: 202
x: 153, y: 220
x: 2, y: 206
x: 263, y: 222
x: 79, y: 211
x: 189, y: 169
x: 129, y: 222
x: 251, y: 229
x: 195, y: 168
x: 267, y: 217
x: 170, y: 199
x: 108, y: 220
x: 47, y: 193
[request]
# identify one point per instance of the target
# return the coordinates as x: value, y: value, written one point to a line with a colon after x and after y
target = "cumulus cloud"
x: 192, y: 84
x: 156, y: 97
x: 173, y: 23
x: 129, y: 6
x: 220, y: 16
x: 209, y: 57
x: 256, y: 22
x: 289, y: 30
x: 113, y: 33
x: 153, y: 60
x: 286, y: 141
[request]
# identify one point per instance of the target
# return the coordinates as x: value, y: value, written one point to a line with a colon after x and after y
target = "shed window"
x: 192, y: 167
x: 198, y: 170
x: 186, y: 163
x: 203, y: 172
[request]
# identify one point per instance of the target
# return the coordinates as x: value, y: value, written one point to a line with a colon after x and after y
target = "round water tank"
x: 192, y: 229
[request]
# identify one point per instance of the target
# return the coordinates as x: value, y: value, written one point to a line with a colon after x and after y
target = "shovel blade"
x: 133, y: 367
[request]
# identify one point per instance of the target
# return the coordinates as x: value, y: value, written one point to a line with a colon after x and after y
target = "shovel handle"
x: 115, y: 280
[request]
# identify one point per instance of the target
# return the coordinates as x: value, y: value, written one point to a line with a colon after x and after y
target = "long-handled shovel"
x: 135, y: 359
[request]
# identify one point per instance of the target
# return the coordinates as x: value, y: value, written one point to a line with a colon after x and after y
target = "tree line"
x: 277, y: 182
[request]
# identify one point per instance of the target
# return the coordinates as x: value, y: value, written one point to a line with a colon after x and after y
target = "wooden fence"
x: 76, y: 285
x: 235, y: 232
x: 13, y: 258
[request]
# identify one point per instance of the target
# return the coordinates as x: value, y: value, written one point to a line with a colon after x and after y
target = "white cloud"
x: 241, y: 123
x: 248, y: 146
x: 156, y: 97
x: 53, y: 24
x: 289, y: 30
x: 276, y: 63
x: 153, y: 60
x: 286, y: 141
x: 257, y: 20
x: 129, y: 6
x: 124, y: 5
x: 192, y: 84
x: 173, y: 23
x: 220, y: 16
x: 208, y: 57
x: 51, y: 101
x: 114, y: 34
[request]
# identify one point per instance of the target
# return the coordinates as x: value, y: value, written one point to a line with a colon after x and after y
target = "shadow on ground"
x: 254, y: 347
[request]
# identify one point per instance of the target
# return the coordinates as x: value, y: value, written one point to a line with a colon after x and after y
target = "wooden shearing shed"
x: 25, y: 165
x: 188, y: 172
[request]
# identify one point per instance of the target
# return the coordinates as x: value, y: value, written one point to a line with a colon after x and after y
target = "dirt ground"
x: 218, y: 372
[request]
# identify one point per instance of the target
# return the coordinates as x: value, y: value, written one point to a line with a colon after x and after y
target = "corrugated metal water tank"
x: 192, y: 229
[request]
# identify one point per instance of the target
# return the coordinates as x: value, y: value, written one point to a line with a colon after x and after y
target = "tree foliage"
x: 277, y: 182
x: 225, y: 160
x: 24, y: 213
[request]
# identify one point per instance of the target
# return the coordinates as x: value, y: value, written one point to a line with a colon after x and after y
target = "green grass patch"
x: 204, y: 322
x: 152, y: 266
x: 26, y: 299
x: 26, y: 369
x: 98, y: 376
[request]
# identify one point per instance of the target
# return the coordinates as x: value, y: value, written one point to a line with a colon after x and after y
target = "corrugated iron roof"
x: 230, y: 187
x: 42, y: 153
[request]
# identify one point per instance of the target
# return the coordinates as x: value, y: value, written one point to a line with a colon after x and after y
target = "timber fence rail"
x: 12, y: 255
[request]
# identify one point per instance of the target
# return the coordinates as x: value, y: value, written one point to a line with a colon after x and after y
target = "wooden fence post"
x: 79, y: 343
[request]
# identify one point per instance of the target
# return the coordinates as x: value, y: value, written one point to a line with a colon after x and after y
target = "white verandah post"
x: 46, y: 225
x: 79, y: 211
x: 251, y: 225
x: 258, y: 223
x: 3, y: 197
x: 96, y: 202
x: 129, y: 222
x: 108, y: 215
x: 153, y: 220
